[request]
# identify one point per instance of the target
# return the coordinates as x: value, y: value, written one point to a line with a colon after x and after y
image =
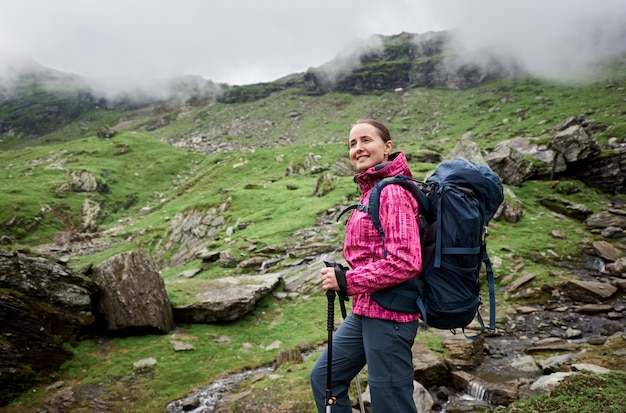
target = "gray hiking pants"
x: 385, y: 346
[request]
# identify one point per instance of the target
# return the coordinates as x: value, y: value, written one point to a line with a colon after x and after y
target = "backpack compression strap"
x: 449, y: 250
x: 492, y: 291
x: 491, y: 282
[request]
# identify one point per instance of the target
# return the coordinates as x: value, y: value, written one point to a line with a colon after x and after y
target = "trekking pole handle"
x: 342, y: 298
x: 330, y: 294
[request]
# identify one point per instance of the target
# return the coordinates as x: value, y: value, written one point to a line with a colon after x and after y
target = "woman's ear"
x: 388, y: 146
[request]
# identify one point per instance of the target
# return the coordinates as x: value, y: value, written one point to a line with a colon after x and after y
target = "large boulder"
x: 133, y: 298
x: 227, y: 299
x: 519, y: 159
x: 509, y: 163
x: 575, y: 145
x: 43, y: 306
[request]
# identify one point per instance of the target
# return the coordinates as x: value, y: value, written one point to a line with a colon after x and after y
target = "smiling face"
x: 367, y: 146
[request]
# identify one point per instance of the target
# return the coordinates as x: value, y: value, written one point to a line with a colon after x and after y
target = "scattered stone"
x: 612, y: 232
x: 190, y: 273
x: 55, y: 386
x: 223, y: 340
x: 554, y: 363
x: 274, y: 345
x: 594, y: 308
x: 288, y: 356
x: 526, y: 310
x: 588, y: 291
x: 525, y: 363
x: 525, y: 278
x: 552, y: 344
x: 547, y: 383
x: 591, y: 368
x: 149, y: 362
x: 181, y: 345
x: 573, y: 333
x: 606, y: 250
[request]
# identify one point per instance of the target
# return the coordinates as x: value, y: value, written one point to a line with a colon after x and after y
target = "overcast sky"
x: 248, y: 41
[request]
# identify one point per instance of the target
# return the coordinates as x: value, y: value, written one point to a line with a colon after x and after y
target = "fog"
x: 126, y: 44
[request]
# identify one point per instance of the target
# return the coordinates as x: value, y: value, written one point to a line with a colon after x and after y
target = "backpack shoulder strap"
x: 407, y: 183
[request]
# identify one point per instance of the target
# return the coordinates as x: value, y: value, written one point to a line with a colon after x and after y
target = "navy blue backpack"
x: 455, y: 203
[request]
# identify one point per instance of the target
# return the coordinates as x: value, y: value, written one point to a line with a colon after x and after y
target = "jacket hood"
x: 397, y: 164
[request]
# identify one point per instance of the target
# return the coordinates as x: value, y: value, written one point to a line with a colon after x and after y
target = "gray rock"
x: 228, y: 298
x: 133, y: 295
x: 43, y: 305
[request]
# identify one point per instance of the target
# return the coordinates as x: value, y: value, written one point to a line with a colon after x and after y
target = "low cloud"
x: 555, y: 40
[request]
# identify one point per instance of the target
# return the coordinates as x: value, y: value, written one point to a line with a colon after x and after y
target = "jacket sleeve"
x: 400, y: 222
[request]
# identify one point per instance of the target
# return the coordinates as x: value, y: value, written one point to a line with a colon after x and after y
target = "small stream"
x: 205, y: 399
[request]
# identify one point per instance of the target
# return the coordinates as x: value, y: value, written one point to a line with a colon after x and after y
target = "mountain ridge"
x: 379, y: 64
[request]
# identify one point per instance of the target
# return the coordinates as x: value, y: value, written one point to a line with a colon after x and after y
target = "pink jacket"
x: 363, y: 246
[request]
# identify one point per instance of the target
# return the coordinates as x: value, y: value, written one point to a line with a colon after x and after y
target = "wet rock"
x: 422, y: 398
x: 555, y: 363
x: 463, y: 353
x: 547, y: 383
x: 429, y: 369
x: 552, y: 344
x: 483, y: 392
x: 525, y: 363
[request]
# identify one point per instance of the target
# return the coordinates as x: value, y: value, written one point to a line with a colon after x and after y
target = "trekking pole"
x: 330, y: 294
x: 330, y: 324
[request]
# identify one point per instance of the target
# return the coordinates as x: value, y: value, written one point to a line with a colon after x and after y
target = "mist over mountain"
x: 240, y: 42
x: 450, y: 59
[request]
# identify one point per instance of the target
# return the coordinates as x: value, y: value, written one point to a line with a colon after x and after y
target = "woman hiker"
x: 370, y: 334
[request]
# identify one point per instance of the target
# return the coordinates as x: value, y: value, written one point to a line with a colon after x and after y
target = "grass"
x: 583, y: 393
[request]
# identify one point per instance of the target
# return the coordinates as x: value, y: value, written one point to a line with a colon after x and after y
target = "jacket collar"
x: 397, y: 164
